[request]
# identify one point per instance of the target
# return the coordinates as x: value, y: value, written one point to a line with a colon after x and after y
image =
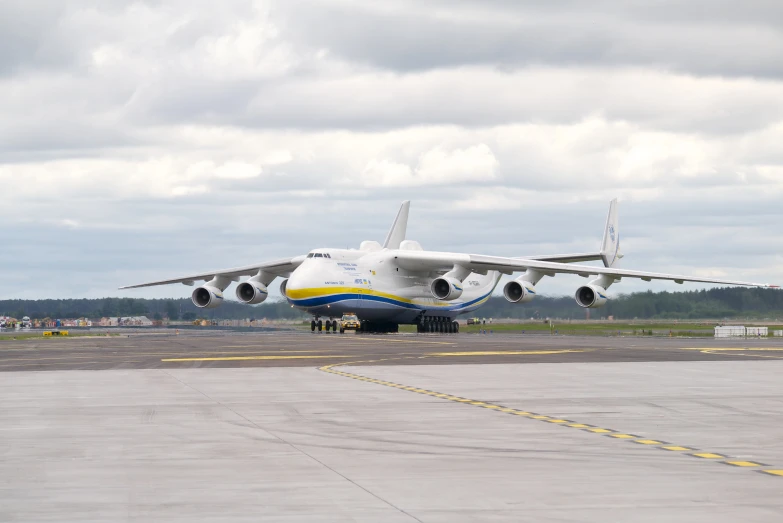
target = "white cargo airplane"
x: 401, y: 283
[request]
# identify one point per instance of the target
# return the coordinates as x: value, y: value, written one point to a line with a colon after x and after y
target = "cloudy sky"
x: 142, y: 140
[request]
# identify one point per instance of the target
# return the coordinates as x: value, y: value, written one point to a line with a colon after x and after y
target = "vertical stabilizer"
x: 610, y: 246
x: 399, y: 227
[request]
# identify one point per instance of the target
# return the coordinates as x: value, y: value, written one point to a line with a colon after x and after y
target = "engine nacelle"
x: 282, y: 288
x: 207, y: 297
x: 591, y: 296
x: 252, y: 292
x: 519, y: 291
x: 446, y: 288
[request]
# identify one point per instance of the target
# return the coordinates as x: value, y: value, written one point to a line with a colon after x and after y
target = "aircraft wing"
x: 443, y: 261
x: 282, y: 267
x: 567, y: 258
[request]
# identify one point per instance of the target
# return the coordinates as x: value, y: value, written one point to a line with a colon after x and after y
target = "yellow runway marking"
x: 738, y: 351
x: 733, y: 348
x: 243, y: 358
x: 708, y: 455
x: 503, y: 353
x: 621, y: 436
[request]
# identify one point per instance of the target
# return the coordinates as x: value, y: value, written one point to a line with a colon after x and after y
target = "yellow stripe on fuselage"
x: 320, y: 292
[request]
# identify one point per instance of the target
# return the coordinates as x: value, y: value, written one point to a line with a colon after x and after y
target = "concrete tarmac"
x: 300, y: 349
x: 558, y: 429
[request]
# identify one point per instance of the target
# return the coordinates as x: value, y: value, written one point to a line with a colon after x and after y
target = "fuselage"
x: 331, y: 282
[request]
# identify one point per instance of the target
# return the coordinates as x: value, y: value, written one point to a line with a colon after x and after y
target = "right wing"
x: 282, y: 267
x: 568, y: 258
x: 429, y: 261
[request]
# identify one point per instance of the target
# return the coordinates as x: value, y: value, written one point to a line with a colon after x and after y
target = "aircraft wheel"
x: 312, y: 326
x: 456, y: 327
x: 320, y: 325
x: 342, y: 331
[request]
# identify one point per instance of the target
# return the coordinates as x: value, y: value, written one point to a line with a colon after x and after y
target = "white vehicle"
x: 401, y: 283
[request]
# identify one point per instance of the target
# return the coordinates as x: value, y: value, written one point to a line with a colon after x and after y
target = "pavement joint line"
x: 622, y: 436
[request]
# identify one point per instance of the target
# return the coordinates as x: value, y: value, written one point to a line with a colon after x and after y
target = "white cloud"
x: 263, y: 127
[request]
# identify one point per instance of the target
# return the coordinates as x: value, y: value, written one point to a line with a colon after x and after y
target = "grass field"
x: 597, y: 329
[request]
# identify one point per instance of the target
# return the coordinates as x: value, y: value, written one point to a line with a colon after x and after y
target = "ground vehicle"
x: 474, y: 321
x: 348, y: 322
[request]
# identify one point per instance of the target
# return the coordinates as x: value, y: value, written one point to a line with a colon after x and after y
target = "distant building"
x: 126, y: 321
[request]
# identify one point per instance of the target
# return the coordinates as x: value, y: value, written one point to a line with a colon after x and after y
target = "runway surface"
x: 329, y: 428
x: 291, y: 349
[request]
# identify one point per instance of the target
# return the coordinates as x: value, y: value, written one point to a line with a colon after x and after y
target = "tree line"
x: 713, y: 303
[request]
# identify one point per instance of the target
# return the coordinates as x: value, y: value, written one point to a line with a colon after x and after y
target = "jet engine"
x: 282, y: 288
x: 446, y: 288
x: 519, y: 291
x: 591, y: 296
x: 207, y: 297
x: 252, y: 292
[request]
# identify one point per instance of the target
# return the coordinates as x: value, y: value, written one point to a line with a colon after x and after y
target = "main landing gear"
x: 319, y: 325
x: 437, y: 324
x: 373, y: 327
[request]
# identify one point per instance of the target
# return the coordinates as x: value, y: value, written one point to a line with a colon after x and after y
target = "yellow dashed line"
x: 503, y: 353
x: 557, y: 421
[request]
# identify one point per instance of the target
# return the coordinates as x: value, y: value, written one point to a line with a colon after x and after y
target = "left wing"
x: 445, y: 261
x: 282, y: 267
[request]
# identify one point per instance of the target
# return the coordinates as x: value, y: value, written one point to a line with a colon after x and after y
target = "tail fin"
x: 610, y: 246
x: 399, y: 227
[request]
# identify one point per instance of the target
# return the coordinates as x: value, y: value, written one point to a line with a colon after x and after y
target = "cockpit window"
x: 319, y: 255
x: 310, y: 255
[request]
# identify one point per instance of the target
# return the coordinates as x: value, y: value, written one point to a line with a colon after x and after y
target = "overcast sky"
x: 144, y: 140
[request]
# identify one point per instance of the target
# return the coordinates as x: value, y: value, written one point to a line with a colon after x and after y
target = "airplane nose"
x: 297, y: 280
